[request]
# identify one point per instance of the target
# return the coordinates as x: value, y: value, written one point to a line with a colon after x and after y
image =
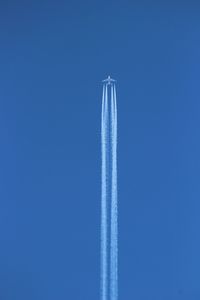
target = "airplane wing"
x: 108, y: 80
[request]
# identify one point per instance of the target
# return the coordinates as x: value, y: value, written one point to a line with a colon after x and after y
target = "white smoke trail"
x: 114, y: 204
x: 104, y: 209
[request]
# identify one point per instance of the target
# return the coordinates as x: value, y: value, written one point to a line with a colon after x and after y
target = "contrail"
x: 109, y: 209
x: 114, y: 207
x: 104, y: 238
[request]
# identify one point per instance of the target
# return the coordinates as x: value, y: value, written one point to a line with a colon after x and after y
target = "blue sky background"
x: 53, y: 56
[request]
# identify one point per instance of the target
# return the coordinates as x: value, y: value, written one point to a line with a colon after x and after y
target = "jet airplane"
x: 109, y: 80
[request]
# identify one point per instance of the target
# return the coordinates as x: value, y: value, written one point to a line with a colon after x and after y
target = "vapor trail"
x: 104, y: 233
x: 109, y: 209
x: 114, y: 204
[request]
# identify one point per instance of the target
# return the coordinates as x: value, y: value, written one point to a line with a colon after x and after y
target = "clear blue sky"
x: 53, y: 56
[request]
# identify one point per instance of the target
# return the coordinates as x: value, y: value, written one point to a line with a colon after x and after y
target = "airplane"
x: 108, y: 80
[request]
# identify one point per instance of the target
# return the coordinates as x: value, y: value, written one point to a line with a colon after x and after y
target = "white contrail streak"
x: 104, y: 239
x: 114, y: 206
x: 109, y: 209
